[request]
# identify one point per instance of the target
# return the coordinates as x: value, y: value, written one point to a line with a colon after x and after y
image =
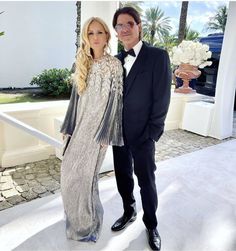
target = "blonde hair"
x: 84, y: 56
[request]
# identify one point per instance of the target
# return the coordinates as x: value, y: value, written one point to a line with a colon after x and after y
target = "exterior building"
x: 38, y: 36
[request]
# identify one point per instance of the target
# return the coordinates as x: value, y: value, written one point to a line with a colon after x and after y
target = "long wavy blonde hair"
x: 84, y: 56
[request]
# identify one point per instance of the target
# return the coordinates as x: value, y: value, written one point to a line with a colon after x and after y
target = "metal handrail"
x: 31, y: 130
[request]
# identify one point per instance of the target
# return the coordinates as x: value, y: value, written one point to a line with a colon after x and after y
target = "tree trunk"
x: 182, y: 21
x: 152, y: 37
x: 78, y: 21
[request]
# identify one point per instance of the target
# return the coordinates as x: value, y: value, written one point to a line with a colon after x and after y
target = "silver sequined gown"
x: 98, y: 122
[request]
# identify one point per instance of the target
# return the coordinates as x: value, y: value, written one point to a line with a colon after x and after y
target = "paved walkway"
x: 197, y: 195
x: 26, y: 182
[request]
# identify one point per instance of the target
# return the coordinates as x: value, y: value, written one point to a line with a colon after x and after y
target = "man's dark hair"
x: 129, y: 11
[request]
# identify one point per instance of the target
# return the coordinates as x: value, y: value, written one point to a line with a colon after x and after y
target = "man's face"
x: 127, y: 30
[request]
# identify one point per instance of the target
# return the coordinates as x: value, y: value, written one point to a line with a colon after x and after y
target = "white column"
x: 222, y: 122
x: 104, y: 10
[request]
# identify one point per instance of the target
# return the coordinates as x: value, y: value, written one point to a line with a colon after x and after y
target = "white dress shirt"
x: 129, y: 60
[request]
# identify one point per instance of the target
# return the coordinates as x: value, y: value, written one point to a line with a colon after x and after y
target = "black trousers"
x: 141, y: 160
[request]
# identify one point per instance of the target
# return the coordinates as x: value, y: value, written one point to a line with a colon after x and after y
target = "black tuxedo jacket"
x: 146, y: 95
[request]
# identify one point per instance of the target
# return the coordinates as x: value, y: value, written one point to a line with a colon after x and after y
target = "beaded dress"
x: 98, y: 122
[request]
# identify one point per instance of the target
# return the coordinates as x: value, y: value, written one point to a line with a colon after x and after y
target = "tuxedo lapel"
x: 119, y: 56
x: 136, y: 68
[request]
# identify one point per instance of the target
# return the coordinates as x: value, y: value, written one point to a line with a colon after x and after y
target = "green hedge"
x: 54, y: 82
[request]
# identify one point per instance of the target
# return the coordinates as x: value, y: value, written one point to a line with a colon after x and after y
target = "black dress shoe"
x: 154, y: 239
x: 123, y: 221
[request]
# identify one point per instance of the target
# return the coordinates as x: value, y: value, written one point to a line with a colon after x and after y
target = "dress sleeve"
x: 110, y: 129
x: 68, y: 125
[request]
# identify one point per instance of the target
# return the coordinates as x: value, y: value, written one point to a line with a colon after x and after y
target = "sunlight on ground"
x: 6, y: 98
x: 16, y: 98
x: 219, y: 231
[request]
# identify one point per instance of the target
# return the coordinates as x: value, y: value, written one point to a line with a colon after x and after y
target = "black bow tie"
x: 129, y: 52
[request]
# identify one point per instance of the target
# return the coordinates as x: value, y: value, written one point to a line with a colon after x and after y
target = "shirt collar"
x: 137, y: 47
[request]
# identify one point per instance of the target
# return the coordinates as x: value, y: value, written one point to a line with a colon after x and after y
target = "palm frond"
x: 218, y: 21
x: 155, y: 25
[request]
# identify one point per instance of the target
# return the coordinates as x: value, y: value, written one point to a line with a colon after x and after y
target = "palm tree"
x: 218, y: 22
x: 78, y: 21
x: 155, y: 25
x: 183, y: 21
x: 191, y: 34
x: 169, y: 42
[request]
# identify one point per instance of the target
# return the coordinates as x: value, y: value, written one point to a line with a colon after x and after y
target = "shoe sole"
x: 130, y: 221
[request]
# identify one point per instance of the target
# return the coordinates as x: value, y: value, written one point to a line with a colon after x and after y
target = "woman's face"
x: 97, y: 36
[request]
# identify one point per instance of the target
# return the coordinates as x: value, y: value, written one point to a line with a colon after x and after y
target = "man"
x: 146, y: 99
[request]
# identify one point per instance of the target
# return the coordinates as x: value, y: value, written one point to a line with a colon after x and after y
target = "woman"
x: 98, y: 123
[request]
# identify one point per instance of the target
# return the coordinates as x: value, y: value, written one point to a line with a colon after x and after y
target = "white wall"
x: 18, y: 147
x: 38, y: 36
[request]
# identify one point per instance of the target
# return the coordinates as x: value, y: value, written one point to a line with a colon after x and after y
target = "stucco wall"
x: 38, y: 36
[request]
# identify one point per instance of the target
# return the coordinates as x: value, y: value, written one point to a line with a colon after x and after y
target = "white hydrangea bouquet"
x: 193, y: 53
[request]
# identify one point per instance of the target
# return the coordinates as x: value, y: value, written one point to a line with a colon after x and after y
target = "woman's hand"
x: 104, y: 145
x: 64, y: 136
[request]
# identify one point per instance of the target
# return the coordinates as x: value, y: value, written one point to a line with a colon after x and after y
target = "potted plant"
x: 189, y: 56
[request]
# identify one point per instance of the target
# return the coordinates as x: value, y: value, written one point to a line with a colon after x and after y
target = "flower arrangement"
x: 189, y: 52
